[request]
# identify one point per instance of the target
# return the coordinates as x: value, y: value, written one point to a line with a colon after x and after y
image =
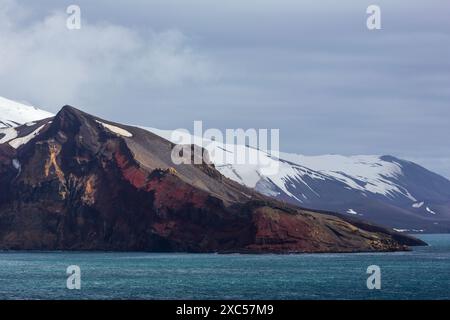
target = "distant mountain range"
x: 78, y: 182
x: 382, y: 189
x: 13, y: 114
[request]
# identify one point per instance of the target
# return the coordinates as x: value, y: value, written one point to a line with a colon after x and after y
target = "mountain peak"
x: 384, y: 189
x: 68, y: 118
x: 69, y: 110
x: 87, y: 183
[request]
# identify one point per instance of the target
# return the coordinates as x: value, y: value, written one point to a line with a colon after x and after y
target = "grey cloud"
x: 311, y: 69
x: 54, y: 66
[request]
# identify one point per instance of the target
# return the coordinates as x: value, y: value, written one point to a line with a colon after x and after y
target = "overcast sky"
x: 310, y: 68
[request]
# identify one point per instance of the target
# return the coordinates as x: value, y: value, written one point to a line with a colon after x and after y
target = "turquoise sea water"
x: 423, y: 273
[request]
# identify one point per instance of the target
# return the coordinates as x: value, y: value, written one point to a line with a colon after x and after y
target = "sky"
x: 311, y: 69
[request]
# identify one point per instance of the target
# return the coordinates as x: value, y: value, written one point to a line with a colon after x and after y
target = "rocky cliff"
x: 77, y: 182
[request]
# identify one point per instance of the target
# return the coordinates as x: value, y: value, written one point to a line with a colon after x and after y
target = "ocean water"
x: 423, y: 273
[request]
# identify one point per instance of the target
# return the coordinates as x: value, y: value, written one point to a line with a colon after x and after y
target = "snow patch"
x: 9, y: 134
x: 429, y: 210
x: 351, y: 211
x: 16, y: 143
x: 16, y: 164
x: 363, y: 173
x: 408, y: 230
x: 418, y: 204
x: 116, y: 130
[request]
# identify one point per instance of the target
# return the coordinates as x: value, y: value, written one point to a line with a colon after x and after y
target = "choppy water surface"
x: 423, y: 273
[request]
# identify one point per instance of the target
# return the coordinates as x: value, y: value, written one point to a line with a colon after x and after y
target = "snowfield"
x: 13, y: 113
x: 369, y: 174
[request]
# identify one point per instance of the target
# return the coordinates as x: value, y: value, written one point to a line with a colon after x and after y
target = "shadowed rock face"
x: 87, y: 184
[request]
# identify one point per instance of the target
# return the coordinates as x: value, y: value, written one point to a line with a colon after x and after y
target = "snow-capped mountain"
x: 382, y: 189
x: 78, y: 182
x: 13, y: 113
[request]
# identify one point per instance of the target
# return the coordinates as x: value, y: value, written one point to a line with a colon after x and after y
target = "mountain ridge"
x: 84, y: 183
x: 382, y: 189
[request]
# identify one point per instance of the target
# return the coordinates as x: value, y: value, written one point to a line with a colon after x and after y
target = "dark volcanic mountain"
x: 76, y: 182
x: 382, y: 189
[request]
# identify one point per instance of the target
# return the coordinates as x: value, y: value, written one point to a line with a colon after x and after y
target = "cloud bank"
x: 52, y: 65
x: 311, y: 69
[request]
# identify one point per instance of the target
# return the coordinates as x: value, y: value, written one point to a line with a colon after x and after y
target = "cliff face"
x: 82, y: 183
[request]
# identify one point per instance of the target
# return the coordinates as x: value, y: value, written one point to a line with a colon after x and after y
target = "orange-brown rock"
x: 81, y: 186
